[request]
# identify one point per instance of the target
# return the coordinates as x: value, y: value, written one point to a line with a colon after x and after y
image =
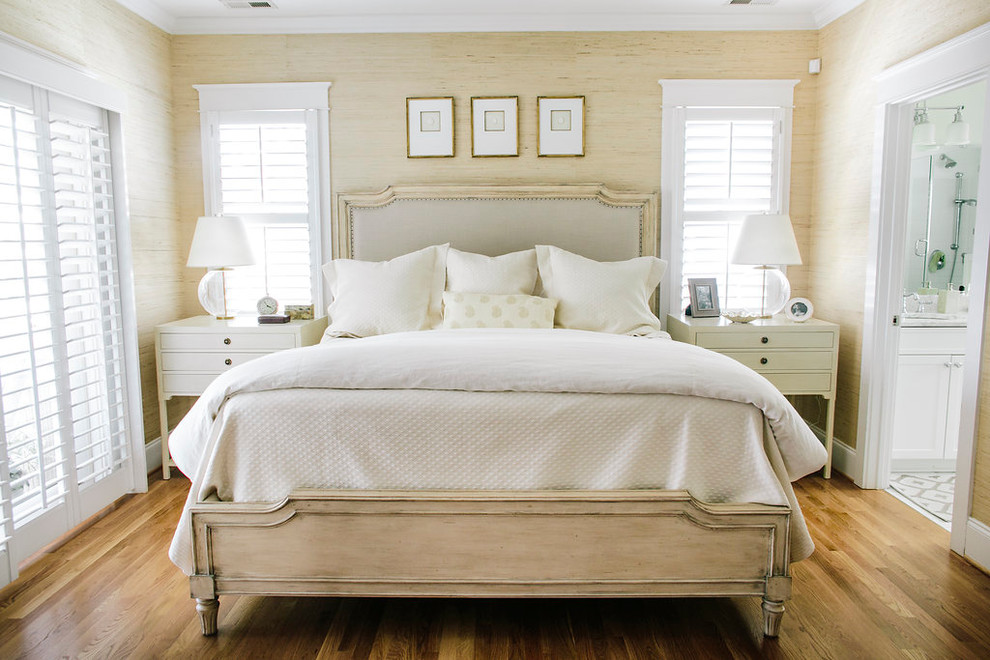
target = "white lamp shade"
x: 957, y: 133
x: 766, y: 239
x: 220, y: 242
x: 924, y: 134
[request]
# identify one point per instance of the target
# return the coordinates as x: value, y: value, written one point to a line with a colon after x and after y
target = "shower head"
x: 949, y: 163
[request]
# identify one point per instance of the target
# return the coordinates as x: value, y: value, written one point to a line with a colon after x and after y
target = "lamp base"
x: 776, y: 291
x: 213, y: 293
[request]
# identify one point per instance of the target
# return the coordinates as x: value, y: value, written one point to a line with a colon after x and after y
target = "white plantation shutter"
x: 730, y: 170
x: 264, y: 177
x: 64, y: 451
x: 725, y: 155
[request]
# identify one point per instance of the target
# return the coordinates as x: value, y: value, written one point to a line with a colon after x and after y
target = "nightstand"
x: 192, y: 352
x: 798, y: 358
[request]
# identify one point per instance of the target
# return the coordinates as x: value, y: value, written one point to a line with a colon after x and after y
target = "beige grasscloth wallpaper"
x: 617, y: 72
x: 373, y: 74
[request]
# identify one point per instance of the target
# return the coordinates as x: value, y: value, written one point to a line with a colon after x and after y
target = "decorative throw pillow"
x: 485, y: 310
x: 603, y: 296
x: 378, y: 297
x: 476, y: 273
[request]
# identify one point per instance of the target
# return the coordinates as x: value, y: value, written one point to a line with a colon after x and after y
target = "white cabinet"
x: 928, y: 398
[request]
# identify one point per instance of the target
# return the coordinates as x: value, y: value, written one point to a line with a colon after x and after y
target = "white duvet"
x: 495, y: 409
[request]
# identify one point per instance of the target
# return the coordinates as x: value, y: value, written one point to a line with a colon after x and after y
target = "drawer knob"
x: 226, y: 340
x: 764, y: 340
x: 763, y: 360
x: 229, y: 362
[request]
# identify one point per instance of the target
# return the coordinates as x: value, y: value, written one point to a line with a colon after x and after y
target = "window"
x: 726, y: 155
x: 66, y: 422
x: 265, y: 164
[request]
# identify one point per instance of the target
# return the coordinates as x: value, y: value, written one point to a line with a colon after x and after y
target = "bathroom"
x: 936, y: 275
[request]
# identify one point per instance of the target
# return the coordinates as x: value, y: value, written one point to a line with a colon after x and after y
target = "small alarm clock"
x: 267, y: 305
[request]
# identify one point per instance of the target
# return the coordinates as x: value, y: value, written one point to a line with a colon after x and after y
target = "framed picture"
x: 799, y: 309
x: 561, y: 122
x: 430, y: 127
x: 494, y: 126
x: 704, y: 296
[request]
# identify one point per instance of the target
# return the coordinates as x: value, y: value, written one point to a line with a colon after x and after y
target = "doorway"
x: 933, y: 314
x: 899, y: 253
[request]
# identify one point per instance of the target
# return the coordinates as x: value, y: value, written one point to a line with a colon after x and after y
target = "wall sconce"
x: 956, y: 134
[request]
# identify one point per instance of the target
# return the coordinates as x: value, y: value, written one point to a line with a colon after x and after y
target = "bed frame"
x: 642, y: 543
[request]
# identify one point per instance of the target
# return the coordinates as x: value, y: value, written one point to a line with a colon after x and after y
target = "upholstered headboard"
x: 586, y: 219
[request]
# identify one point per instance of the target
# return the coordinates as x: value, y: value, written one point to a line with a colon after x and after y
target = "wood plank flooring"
x: 882, y: 584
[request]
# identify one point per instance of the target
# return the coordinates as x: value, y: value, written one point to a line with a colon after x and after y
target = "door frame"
x: 961, y: 61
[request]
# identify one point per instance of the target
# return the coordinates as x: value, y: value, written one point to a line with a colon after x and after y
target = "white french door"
x: 64, y: 415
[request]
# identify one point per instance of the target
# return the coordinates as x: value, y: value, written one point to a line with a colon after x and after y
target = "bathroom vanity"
x: 928, y: 394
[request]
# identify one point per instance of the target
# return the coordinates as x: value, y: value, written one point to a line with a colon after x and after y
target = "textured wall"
x: 373, y: 74
x: 130, y: 53
x: 854, y: 48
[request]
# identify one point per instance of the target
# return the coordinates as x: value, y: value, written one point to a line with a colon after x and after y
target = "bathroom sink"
x: 932, y: 319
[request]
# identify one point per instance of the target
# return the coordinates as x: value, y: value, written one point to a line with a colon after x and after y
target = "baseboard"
x: 153, y: 455
x: 978, y: 544
x: 843, y: 456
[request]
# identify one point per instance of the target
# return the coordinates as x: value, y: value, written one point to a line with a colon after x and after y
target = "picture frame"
x: 704, y: 297
x: 494, y: 126
x: 430, y: 127
x: 561, y: 126
x: 799, y: 310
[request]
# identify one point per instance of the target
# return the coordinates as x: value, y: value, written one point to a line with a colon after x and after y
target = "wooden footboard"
x: 491, y: 543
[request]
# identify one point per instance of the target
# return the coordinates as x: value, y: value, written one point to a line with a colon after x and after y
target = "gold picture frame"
x: 495, y: 126
x: 430, y: 127
x: 561, y: 126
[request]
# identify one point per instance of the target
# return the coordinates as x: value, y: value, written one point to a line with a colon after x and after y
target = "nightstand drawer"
x: 798, y: 383
x: 187, y: 384
x: 209, y: 362
x: 748, y: 339
x: 231, y: 341
x: 783, y: 360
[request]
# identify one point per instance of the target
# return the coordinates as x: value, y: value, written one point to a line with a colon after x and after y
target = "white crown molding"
x: 152, y: 12
x: 394, y: 23
x: 157, y: 12
x: 833, y: 10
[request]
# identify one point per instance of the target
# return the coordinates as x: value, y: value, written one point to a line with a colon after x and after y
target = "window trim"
x: 678, y: 95
x: 313, y: 97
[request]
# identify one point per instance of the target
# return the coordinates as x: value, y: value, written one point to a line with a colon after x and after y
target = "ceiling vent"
x: 247, y: 4
x: 752, y: 2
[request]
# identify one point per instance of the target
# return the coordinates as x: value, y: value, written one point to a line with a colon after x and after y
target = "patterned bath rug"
x: 932, y: 491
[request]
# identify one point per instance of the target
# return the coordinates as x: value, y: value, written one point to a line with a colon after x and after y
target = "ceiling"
x: 324, y: 16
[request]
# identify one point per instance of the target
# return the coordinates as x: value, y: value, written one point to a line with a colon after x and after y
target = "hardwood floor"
x: 882, y: 584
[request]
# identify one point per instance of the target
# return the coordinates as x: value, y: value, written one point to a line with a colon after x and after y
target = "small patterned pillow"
x: 488, y: 310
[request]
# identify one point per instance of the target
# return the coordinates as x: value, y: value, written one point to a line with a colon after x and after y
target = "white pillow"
x: 611, y: 296
x: 475, y: 273
x: 485, y: 310
x: 375, y: 298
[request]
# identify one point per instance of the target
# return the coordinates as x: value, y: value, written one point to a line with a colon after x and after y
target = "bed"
x: 498, y: 462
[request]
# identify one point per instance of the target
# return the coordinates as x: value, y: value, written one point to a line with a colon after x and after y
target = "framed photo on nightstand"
x: 704, y: 297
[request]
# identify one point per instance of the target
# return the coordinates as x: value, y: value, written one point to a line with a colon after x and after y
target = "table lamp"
x: 218, y: 243
x: 766, y: 241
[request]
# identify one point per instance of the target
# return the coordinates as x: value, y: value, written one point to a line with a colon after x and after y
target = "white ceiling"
x: 322, y: 16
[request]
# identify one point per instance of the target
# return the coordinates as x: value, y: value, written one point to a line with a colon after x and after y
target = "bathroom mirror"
x: 941, y: 203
